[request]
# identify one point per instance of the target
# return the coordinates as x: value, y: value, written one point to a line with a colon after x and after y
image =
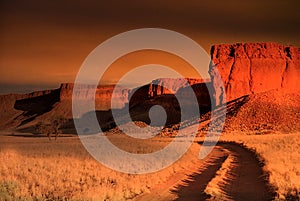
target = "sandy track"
x: 230, y: 172
x: 184, y: 184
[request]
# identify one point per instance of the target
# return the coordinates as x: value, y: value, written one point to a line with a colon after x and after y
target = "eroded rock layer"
x: 252, y: 68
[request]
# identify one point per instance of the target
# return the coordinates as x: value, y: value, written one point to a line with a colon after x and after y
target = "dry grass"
x: 281, y: 153
x: 34, y: 168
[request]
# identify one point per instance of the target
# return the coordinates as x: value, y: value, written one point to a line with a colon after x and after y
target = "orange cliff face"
x: 20, y: 109
x: 244, y: 69
x: 170, y: 85
x: 254, y: 67
x: 103, y: 95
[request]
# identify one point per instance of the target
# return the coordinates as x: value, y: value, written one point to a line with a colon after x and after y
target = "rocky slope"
x: 261, y: 82
x: 19, y: 109
x: 275, y: 110
x: 16, y: 108
x: 26, y: 110
x: 254, y: 67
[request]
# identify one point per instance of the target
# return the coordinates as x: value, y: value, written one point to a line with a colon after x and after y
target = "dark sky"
x: 43, y: 43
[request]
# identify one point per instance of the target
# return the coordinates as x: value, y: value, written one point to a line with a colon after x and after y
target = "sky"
x: 44, y: 43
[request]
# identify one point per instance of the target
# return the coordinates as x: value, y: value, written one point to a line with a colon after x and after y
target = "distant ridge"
x: 261, y: 83
x: 19, y: 110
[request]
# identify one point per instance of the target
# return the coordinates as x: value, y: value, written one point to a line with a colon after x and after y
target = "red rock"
x: 254, y: 67
x: 103, y: 95
x: 170, y: 85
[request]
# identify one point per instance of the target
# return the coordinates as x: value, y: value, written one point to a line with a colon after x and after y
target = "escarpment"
x: 248, y: 68
x: 243, y: 75
x: 103, y: 95
x: 171, y: 85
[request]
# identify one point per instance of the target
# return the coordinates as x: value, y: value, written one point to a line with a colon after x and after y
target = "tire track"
x: 243, y: 178
x: 187, y: 186
x: 231, y: 172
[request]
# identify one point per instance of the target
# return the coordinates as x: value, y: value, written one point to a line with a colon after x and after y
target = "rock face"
x: 252, y: 68
x: 244, y: 69
x: 103, y: 95
x: 170, y: 85
x: 27, y: 109
x: 178, y: 87
x: 19, y: 109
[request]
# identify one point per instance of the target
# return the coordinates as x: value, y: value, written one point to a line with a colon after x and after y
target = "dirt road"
x: 230, y: 172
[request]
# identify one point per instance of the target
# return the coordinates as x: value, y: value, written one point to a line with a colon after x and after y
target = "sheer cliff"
x: 248, y: 68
